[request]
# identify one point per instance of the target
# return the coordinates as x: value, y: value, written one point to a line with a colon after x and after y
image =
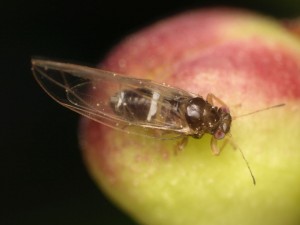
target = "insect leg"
x: 210, y: 98
x: 181, y: 145
x: 214, y: 145
x: 216, y: 151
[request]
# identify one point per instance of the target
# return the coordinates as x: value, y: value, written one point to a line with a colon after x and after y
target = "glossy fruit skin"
x: 243, y: 58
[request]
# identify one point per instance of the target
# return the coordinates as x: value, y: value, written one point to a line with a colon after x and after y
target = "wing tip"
x: 40, y: 62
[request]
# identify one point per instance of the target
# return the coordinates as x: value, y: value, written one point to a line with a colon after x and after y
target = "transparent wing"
x: 89, y: 92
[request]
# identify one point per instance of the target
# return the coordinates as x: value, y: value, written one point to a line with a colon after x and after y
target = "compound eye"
x: 219, y: 134
x: 225, y: 128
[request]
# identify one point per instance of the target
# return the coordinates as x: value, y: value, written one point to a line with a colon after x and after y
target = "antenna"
x: 259, y: 110
x: 247, y: 163
x: 235, y: 146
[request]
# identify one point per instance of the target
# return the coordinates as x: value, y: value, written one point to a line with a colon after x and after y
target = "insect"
x: 136, y: 105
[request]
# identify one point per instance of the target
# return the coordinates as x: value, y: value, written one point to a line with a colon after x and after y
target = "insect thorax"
x: 202, y: 117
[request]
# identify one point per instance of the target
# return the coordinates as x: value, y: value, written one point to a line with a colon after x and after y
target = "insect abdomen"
x: 139, y: 104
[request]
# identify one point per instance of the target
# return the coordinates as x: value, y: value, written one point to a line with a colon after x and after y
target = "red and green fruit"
x: 250, y: 62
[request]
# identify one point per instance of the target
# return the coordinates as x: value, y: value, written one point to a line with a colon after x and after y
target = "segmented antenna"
x: 237, y: 147
x: 247, y: 163
x: 259, y: 110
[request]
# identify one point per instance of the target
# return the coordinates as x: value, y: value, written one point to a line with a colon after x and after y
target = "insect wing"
x: 88, y: 91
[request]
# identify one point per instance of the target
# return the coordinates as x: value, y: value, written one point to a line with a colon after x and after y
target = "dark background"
x: 43, y: 179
